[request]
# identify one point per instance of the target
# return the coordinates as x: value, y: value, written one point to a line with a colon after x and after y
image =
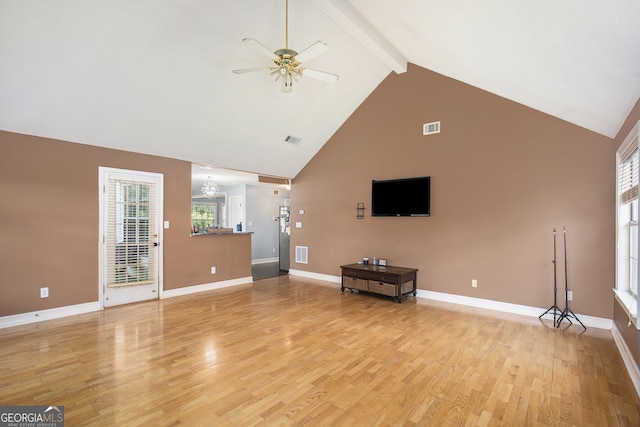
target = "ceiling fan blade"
x: 320, y: 75
x: 249, y: 70
x: 312, y: 51
x: 260, y: 47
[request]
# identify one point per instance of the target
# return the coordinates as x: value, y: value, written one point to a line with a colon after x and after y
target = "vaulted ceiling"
x: 154, y: 76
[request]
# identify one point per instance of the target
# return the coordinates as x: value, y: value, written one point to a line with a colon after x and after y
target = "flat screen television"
x: 401, y: 197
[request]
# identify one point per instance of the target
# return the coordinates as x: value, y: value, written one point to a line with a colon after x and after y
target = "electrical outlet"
x: 213, y: 270
x: 570, y: 295
x: 44, y: 292
x: 474, y: 283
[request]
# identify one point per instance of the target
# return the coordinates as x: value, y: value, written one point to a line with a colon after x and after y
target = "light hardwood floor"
x: 292, y: 351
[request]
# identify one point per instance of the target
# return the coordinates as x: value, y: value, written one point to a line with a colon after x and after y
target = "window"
x: 203, y: 215
x: 627, y: 225
x: 628, y: 216
x: 633, y: 249
x: 129, y: 234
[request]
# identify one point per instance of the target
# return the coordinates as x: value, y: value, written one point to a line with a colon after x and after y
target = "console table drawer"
x: 382, y: 288
x: 355, y: 283
x: 355, y: 273
x: 385, y: 278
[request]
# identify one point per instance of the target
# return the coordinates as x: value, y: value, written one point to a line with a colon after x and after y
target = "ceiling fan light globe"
x: 287, y: 84
x: 286, y: 87
x: 275, y: 74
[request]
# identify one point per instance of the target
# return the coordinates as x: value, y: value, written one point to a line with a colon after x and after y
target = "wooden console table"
x: 388, y: 280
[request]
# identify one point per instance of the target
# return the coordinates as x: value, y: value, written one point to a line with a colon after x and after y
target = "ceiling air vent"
x: 431, y: 128
x: 292, y: 139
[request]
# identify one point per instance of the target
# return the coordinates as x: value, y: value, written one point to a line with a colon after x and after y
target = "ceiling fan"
x: 288, y: 63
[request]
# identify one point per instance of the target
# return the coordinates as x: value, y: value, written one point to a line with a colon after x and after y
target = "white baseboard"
x: 595, y: 322
x: 72, y: 310
x: 206, y: 287
x: 316, y: 276
x: 264, y: 260
x: 589, y: 321
x: 49, y: 314
x: 627, y: 357
x: 55, y: 313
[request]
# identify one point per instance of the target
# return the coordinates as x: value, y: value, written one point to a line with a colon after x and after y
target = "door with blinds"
x: 130, y: 236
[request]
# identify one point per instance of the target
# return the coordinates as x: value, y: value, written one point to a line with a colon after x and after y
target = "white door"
x: 235, y: 212
x: 130, y: 236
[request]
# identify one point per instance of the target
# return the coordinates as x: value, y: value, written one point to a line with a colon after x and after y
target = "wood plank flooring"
x: 291, y: 351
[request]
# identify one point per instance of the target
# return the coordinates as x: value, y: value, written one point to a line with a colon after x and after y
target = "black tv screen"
x: 401, y: 197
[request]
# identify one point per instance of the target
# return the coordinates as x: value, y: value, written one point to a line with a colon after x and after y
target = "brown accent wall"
x: 49, y: 224
x: 630, y: 334
x: 502, y: 177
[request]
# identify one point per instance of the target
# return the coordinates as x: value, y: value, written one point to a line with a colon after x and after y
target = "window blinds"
x: 628, y: 175
x: 130, y: 252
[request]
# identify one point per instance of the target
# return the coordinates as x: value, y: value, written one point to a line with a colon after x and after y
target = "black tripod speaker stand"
x: 554, y: 307
x: 566, y: 313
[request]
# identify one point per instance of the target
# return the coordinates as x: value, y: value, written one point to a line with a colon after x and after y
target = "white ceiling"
x: 154, y: 76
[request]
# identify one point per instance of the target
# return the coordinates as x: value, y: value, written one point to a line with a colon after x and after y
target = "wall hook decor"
x: 360, y: 210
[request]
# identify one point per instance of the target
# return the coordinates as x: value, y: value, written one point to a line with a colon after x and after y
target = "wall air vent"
x: 431, y: 128
x: 302, y: 254
x: 292, y: 139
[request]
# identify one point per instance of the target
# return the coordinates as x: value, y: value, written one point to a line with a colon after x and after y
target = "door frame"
x: 102, y: 182
x: 233, y: 221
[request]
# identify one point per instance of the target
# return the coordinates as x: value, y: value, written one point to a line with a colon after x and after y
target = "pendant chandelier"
x: 210, y: 189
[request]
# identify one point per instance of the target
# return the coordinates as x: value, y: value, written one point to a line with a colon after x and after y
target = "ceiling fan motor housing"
x: 286, y: 52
